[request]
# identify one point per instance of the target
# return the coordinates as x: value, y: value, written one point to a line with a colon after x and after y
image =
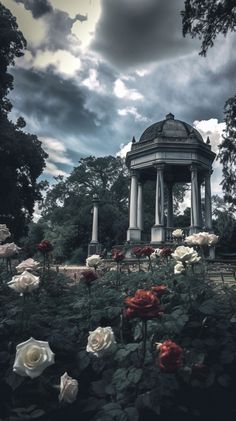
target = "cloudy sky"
x: 98, y: 72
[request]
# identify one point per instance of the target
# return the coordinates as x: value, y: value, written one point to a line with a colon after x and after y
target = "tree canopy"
x: 22, y: 158
x: 206, y: 19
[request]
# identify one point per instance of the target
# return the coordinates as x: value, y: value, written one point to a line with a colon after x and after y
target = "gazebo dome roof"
x: 170, y: 128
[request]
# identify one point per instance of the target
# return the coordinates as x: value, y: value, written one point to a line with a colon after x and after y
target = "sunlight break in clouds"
x: 133, y: 111
x: 121, y: 91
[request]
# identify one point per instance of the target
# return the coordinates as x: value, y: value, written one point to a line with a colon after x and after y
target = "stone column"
x: 95, y: 219
x: 208, y: 210
x: 200, y: 203
x: 140, y: 206
x: 94, y: 246
x: 170, y: 205
x: 195, y: 223
x: 158, y: 231
x: 133, y: 233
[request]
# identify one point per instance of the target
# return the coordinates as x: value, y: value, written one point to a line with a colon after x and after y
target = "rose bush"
x: 32, y: 357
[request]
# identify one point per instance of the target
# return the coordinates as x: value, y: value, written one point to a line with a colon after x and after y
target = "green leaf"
x: 99, y: 388
x: 122, y: 353
x: 83, y: 360
x: 14, y: 380
x: 150, y: 399
x: 208, y: 307
x: 132, y: 413
x: 135, y: 375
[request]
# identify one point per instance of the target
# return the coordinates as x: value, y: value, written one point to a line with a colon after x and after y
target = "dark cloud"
x: 81, y: 18
x: 53, y: 102
x: 38, y: 8
x: 137, y: 32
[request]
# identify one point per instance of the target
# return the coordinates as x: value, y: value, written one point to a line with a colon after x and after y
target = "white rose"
x: 28, y: 264
x: 93, y: 261
x: 190, y: 240
x: 7, y: 250
x: 201, y: 238
x: 178, y: 233
x: 212, y: 239
x: 4, y: 232
x: 32, y: 357
x: 26, y: 282
x: 155, y: 254
x: 100, y: 340
x: 185, y: 254
x: 179, y: 268
x: 68, y: 389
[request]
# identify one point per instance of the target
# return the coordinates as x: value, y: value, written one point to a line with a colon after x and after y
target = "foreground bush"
x: 152, y: 346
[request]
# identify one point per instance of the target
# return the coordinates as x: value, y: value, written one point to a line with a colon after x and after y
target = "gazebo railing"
x: 169, y: 236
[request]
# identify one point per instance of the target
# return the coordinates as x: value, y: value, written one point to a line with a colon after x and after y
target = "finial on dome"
x: 208, y: 141
x: 170, y: 116
x: 133, y: 140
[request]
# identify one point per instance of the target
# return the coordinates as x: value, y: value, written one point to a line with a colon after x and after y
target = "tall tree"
x: 22, y: 158
x: 205, y: 19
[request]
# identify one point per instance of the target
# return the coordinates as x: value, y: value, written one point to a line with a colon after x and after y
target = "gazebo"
x: 169, y: 151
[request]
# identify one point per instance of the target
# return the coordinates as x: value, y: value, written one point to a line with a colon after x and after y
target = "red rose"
x: 144, y: 304
x: 166, y: 252
x: 147, y: 251
x: 170, y: 356
x: 89, y: 276
x: 159, y: 290
x: 138, y: 251
x: 45, y: 246
x: 118, y: 256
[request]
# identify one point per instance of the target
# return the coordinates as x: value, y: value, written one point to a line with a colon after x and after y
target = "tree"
x: 22, y: 158
x: 67, y: 208
x: 205, y: 19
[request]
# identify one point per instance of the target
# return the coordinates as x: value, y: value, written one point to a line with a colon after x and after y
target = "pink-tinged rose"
x: 118, y: 256
x: 4, y: 232
x: 68, y: 389
x: 8, y: 250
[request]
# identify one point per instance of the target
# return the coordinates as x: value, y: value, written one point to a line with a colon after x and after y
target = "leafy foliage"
x: 121, y: 385
x: 206, y: 19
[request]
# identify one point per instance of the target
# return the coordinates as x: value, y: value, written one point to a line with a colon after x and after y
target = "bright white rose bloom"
x: 28, y: 264
x: 186, y: 254
x: 7, y: 250
x: 179, y: 268
x: 212, y: 239
x: 4, y: 232
x: 100, y: 340
x: 26, y: 282
x: 190, y: 240
x: 178, y: 233
x: 93, y: 261
x: 201, y: 238
x: 32, y: 357
x: 68, y: 389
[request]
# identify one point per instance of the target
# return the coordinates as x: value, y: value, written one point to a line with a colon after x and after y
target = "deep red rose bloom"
x: 89, y: 276
x: 159, y: 290
x: 170, y: 356
x: 118, y: 256
x: 166, y: 251
x: 45, y: 246
x: 144, y: 304
x: 147, y: 251
x: 138, y: 251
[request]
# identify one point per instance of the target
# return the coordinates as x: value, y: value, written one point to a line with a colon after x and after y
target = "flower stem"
x: 144, y: 330
x: 89, y: 306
